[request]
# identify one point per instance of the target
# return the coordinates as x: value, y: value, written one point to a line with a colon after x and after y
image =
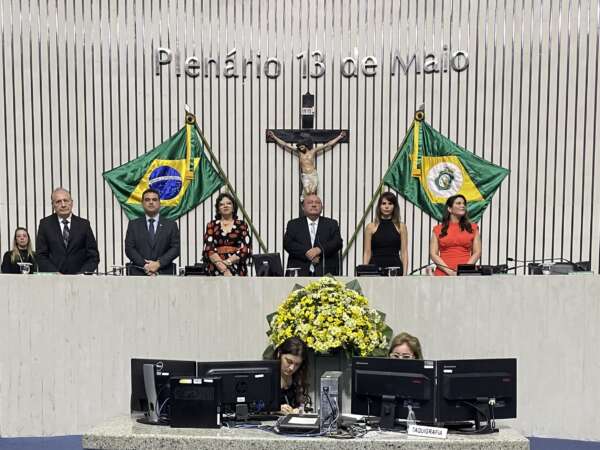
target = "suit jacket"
x: 164, y: 248
x: 297, y: 242
x: 81, y: 255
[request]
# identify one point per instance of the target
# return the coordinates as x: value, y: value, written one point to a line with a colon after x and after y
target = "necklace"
x: 226, y: 225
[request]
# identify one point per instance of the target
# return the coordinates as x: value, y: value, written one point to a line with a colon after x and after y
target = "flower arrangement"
x: 328, y: 315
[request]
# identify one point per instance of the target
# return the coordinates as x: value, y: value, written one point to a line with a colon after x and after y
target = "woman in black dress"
x: 20, y: 253
x: 227, y: 244
x: 294, y: 369
x: 386, y: 239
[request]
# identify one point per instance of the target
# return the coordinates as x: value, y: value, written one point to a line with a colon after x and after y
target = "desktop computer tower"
x: 195, y: 402
x: 330, y: 407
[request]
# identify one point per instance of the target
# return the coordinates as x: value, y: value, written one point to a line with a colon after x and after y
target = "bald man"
x: 65, y: 243
x: 313, y: 242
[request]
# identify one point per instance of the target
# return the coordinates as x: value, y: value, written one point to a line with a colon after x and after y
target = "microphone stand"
x: 418, y: 269
x: 526, y: 263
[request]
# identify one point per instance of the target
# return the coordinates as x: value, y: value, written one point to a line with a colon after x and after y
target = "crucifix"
x: 302, y: 142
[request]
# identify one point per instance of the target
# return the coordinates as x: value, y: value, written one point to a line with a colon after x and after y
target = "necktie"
x: 66, y: 232
x: 151, y: 229
x: 313, y: 235
x: 313, y: 232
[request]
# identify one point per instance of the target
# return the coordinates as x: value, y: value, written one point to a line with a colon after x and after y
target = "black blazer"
x: 164, y: 248
x: 297, y: 242
x: 80, y: 256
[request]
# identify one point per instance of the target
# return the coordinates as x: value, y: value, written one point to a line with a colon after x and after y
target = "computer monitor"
x: 268, y: 265
x: 164, y: 369
x: 476, y: 390
x: 390, y: 388
x: 247, y: 387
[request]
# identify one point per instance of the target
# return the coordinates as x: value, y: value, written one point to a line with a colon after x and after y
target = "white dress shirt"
x: 313, y: 235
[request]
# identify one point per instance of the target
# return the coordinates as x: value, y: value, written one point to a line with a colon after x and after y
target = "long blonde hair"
x: 15, y: 254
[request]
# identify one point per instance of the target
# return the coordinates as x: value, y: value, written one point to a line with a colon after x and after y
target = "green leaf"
x: 270, y: 317
x: 388, y: 332
x: 379, y: 353
x: 355, y: 286
x: 269, y: 352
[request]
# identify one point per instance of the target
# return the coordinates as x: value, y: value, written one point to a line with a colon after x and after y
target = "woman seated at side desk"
x: 292, y: 354
x: 456, y: 240
x: 386, y: 239
x: 21, y: 253
x: 405, y: 346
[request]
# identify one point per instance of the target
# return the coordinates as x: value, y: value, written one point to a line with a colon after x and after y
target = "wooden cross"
x: 305, y: 142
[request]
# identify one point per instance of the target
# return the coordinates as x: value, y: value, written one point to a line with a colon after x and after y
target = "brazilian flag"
x: 178, y: 169
x: 429, y: 168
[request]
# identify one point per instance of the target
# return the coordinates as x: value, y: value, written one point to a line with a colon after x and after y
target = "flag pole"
x: 362, y: 220
x: 419, y: 116
x: 227, y: 183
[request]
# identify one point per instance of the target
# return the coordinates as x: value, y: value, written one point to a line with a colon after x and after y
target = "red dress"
x: 456, y: 247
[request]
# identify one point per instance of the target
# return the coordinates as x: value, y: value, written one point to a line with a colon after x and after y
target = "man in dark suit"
x: 65, y: 243
x: 313, y: 242
x: 152, y: 242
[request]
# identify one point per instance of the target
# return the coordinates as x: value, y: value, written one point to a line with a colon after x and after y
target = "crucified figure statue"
x: 307, y: 153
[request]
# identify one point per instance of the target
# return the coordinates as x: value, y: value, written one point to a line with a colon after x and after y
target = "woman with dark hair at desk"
x: 456, y: 240
x: 21, y: 253
x: 227, y: 244
x: 292, y: 354
x: 386, y: 239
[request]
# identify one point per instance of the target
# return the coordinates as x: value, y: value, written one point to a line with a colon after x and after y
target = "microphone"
x: 508, y: 269
x: 527, y: 261
x: 581, y: 266
x: 418, y: 269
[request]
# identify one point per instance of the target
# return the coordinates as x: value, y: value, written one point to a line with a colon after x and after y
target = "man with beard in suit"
x: 65, y: 242
x: 313, y: 242
x: 152, y: 242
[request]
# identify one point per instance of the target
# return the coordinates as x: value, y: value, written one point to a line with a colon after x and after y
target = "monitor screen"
x: 165, y: 369
x: 252, y: 383
x: 386, y: 387
x: 465, y: 386
x: 268, y: 265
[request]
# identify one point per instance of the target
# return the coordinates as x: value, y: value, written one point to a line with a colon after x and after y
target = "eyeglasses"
x: 402, y: 355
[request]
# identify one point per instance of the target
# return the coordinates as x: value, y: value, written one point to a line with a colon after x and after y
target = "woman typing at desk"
x: 292, y: 354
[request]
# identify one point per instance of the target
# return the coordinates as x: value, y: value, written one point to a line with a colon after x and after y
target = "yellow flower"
x: 327, y: 315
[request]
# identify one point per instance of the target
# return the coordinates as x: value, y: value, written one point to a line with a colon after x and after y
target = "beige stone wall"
x: 68, y: 341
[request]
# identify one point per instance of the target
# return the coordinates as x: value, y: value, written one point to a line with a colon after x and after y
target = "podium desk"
x: 124, y: 433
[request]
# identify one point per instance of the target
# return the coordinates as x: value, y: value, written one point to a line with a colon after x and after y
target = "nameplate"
x: 430, y: 432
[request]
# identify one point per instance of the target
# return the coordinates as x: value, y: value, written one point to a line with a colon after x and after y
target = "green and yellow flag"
x: 429, y: 168
x: 178, y: 169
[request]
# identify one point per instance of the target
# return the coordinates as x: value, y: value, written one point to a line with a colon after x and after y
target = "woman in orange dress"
x: 456, y: 240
